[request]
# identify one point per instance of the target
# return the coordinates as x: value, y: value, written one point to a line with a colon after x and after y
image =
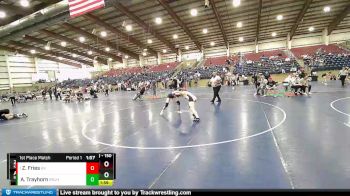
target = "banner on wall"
x: 192, y: 56
x: 73, y: 74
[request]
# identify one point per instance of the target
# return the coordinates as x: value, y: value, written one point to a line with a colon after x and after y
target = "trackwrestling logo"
x: 21, y: 192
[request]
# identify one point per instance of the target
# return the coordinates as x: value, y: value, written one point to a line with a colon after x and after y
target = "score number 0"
x: 106, y: 164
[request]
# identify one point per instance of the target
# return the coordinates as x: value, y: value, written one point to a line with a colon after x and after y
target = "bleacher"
x: 214, y: 61
x: 274, y: 62
x: 164, y: 67
x: 122, y: 71
x: 322, y: 57
x: 136, y: 70
x: 312, y: 50
x: 259, y: 55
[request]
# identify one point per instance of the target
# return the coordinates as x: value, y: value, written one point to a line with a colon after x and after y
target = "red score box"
x: 92, y: 168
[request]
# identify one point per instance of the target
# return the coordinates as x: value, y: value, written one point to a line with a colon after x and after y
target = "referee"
x: 216, y: 84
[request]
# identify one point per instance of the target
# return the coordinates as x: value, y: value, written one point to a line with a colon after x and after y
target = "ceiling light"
x: 119, y: 54
x: 63, y: 44
x: 175, y: 36
x: 311, y: 29
x: 274, y: 34
x: 158, y: 20
x: 164, y: 51
x: 109, y: 59
x: 236, y: 3
x: 144, y: 54
x: 177, y: 46
x: 60, y: 58
x: 240, y: 39
x: 32, y: 51
x: 145, y: 49
x: 212, y: 43
x: 327, y: 9
x: 74, y: 55
x: 107, y: 49
x: 126, y: 56
x: 239, y: 24
x: 103, y: 33
x: 2, y: 14
x: 82, y: 39
x: 149, y: 41
x: 279, y: 17
x: 128, y: 27
x: 47, y: 47
x: 24, y: 3
x: 205, y: 31
x: 194, y: 12
x: 89, y: 52
x: 187, y: 47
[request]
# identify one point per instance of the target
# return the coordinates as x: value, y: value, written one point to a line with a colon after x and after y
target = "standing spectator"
x: 106, y: 89
x: 59, y: 91
x: 154, y: 87
x: 43, y: 93
x: 13, y: 98
x: 55, y: 93
x: 255, y: 80
x: 50, y: 93
x: 216, y: 84
x: 342, y: 76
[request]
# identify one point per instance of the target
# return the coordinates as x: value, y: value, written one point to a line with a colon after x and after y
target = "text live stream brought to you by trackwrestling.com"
x: 77, y: 192
x: 159, y: 192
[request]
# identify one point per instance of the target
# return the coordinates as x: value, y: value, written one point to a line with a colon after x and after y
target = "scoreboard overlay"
x: 61, y: 169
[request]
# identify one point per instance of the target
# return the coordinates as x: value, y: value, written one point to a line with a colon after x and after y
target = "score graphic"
x: 59, y: 169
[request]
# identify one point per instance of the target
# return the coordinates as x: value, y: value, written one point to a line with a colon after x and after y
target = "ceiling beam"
x: 16, y: 9
x: 81, y: 45
x: 337, y: 20
x: 95, y: 38
x: 300, y: 18
x: 49, y: 52
x: 39, y: 56
x: 258, y: 23
x: 218, y: 19
x: 142, y: 24
x: 179, y: 22
x: 20, y: 11
x: 66, y: 49
x: 116, y: 31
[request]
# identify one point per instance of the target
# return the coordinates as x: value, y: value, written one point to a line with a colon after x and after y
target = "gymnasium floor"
x: 245, y: 142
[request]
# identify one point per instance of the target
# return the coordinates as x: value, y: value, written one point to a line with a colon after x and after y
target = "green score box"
x: 92, y: 179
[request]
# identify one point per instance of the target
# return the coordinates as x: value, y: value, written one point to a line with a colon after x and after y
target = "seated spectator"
x: 287, y: 82
x: 296, y: 84
x: 305, y: 86
x: 271, y: 84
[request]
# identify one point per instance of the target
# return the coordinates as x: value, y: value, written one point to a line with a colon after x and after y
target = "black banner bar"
x: 60, y: 157
x: 7, y: 167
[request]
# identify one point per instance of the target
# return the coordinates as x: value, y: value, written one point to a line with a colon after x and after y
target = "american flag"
x: 80, y: 7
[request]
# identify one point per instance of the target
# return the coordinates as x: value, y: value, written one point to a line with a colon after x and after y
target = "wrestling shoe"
x: 196, y: 119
